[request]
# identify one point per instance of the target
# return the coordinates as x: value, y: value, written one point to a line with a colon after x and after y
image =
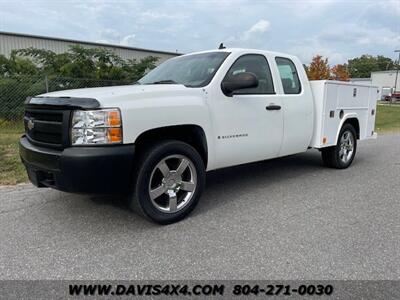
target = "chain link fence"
x: 14, y: 91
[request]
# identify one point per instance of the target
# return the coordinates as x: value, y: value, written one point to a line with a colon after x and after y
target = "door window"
x: 289, y: 77
x: 258, y: 65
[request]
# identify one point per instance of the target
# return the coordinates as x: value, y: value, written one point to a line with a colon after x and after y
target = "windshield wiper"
x: 167, y: 81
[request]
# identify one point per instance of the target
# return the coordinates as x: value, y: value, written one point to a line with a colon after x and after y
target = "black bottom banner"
x: 186, y: 289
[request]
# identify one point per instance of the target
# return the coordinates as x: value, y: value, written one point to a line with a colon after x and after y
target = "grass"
x: 387, y: 118
x: 11, y: 169
x: 13, y: 172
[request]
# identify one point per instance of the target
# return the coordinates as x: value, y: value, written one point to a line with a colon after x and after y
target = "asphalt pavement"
x: 289, y: 218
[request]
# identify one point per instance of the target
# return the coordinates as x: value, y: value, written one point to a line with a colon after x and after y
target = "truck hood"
x: 112, y: 96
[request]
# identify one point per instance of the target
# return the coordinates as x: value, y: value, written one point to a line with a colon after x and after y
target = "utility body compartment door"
x: 338, y: 101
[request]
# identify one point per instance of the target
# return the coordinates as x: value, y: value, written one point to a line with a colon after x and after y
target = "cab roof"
x: 243, y: 51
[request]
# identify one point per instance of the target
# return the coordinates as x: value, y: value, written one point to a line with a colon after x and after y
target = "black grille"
x: 46, y: 127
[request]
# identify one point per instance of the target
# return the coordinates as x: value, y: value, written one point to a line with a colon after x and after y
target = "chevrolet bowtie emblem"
x: 31, y: 124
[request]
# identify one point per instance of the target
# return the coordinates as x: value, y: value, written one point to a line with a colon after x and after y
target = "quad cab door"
x: 298, y: 106
x: 249, y: 123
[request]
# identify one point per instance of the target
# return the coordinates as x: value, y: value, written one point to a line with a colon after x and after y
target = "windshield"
x: 195, y: 70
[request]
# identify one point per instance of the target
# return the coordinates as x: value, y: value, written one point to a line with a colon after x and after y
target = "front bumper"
x: 96, y: 170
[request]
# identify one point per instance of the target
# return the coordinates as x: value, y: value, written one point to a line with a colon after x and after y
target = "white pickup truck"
x: 155, y: 140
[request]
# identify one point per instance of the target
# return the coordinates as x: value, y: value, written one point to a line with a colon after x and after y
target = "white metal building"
x: 361, y: 80
x: 10, y: 41
x: 384, y: 80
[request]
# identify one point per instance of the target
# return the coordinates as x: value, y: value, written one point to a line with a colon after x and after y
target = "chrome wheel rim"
x: 346, y: 146
x: 172, y: 183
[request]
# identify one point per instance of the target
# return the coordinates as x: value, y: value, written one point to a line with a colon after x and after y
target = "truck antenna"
x: 221, y: 46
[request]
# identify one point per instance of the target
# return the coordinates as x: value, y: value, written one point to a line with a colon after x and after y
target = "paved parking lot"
x: 283, y: 219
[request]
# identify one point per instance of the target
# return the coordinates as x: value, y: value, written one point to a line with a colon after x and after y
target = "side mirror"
x: 239, y: 81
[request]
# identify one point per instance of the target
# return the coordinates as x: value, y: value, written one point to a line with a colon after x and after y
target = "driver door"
x: 249, y: 123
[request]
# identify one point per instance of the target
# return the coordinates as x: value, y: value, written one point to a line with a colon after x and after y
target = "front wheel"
x: 342, y: 155
x: 170, y: 181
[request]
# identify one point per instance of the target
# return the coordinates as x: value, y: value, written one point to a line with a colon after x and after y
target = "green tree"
x: 5, y: 66
x: 361, y: 67
x: 136, y: 69
x: 23, y: 73
x: 91, y: 63
x: 47, y: 62
x: 80, y: 64
x: 16, y: 66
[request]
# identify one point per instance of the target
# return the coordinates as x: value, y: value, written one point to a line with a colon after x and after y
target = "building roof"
x: 387, y: 71
x: 360, y: 79
x: 85, y: 42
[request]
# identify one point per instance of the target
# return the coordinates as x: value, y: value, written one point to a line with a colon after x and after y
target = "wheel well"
x: 191, y: 134
x: 354, y: 122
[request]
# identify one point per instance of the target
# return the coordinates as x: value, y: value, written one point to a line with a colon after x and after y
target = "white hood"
x: 111, y: 96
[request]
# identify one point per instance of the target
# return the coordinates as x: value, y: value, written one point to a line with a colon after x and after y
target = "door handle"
x: 273, y: 107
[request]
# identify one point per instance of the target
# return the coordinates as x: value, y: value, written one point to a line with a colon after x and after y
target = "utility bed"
x: 336, y: 101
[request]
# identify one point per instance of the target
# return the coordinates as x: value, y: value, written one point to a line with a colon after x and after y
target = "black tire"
x: 142, y: 203
x: 332, y: 156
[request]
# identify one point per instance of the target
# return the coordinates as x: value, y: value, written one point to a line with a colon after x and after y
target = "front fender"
x: 138, y: 119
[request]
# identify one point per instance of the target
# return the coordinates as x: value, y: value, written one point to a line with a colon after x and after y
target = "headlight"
x: 102, y: 126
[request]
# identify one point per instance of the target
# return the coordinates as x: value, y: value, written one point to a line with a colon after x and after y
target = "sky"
x: 338, y: 29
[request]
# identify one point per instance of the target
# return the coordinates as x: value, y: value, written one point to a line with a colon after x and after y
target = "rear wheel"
x: 170, y: 181
x: 342, y: 155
